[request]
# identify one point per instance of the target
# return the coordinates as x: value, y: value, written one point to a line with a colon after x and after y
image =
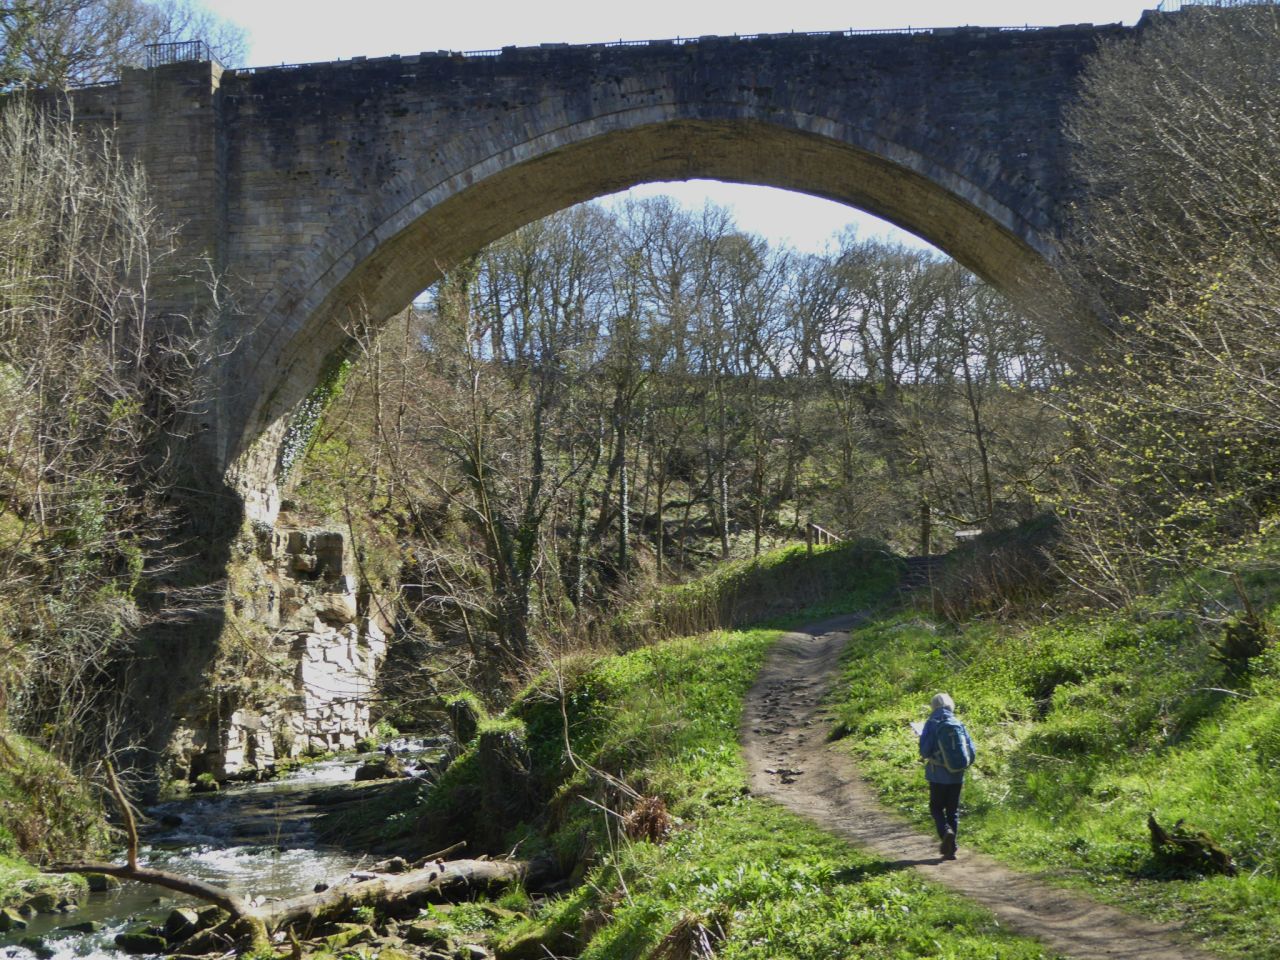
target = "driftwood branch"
x: 236, y: 906
x: 439, y: 854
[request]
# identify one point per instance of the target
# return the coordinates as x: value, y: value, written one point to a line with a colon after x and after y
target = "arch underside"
x: 409, y: 249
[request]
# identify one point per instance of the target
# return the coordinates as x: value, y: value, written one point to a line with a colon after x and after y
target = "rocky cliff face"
x: 299, y: 664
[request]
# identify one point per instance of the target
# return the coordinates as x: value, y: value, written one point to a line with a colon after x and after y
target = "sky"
x: 304, y: 31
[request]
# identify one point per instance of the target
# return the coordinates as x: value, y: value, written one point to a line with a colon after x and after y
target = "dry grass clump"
x: 694, y: 937
x: 649, y: 819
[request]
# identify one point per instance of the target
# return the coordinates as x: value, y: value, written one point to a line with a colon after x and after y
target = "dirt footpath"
x: 783, y: 735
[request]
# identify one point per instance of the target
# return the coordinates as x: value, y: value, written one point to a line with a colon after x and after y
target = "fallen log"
x: 389, y: 892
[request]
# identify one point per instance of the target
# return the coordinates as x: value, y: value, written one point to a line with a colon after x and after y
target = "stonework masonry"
x: 330, y: 191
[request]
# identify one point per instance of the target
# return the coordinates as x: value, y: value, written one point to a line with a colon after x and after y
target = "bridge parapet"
x: 542, y: 50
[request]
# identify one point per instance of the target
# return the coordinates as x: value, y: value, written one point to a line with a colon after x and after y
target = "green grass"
x: 783, y: 888
x: 45, y: 813
x: 665, y: 720
x: 1083, y: 727
x: 778, y: 588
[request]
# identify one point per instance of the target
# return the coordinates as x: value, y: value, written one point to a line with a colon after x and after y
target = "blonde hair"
x: 941, y: 700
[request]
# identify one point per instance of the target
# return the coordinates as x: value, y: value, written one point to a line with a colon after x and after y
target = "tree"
x: 94, y: 390
x: 1174, y: 138
x: 1177, y: 417
x: 977, y: 426
x: 69, y: 43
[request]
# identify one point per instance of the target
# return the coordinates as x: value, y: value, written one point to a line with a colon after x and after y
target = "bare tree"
x: 68, y: 43
x: 1177, y: 139
x: 94, y: 390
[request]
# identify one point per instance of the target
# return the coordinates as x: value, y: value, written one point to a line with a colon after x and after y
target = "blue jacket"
x: 936, y: 772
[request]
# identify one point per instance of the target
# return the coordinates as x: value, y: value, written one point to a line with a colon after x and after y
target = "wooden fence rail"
x: 819, y: 535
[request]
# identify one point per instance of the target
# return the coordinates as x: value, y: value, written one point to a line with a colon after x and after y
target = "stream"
x: 252, y: 839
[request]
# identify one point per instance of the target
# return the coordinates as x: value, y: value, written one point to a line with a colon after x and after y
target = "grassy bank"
x: 45, y: 813
x: 774, y: 589
x: 1084, y: 727
x: 735, y: 869
x: 651, y: 813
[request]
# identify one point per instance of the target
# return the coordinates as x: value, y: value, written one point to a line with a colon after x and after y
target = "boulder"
x: 142, y: 940
x: 84, y: 926
x: 100, y: 882
x: 384, y: 768
x: 349, y: 935
x: 37, y: 946
x: 205, y: 783
x: 210, y: 916
x: 216, y: 939
x: 181, y: 924
x: 9, y: 920
x: 424, y: 933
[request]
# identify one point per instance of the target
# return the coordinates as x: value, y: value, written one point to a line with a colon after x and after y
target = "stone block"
x: 335, y: 608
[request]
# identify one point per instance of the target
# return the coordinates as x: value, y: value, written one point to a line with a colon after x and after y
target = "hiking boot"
x: 948, y: 846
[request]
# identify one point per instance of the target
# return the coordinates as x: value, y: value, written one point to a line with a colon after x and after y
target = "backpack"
x: 953, y: 751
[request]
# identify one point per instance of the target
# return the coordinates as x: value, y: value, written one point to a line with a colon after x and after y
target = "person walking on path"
x: 947, y: 751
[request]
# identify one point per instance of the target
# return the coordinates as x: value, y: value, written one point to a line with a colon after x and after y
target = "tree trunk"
x: 505, y: 781
x: 659, y: 533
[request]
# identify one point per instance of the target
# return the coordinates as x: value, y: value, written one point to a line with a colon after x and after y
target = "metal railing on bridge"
x: 181, y: 51
x: 1173, y: 6
x: 667, y: 42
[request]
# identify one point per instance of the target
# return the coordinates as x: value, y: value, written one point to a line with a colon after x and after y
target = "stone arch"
x: 375, y: 266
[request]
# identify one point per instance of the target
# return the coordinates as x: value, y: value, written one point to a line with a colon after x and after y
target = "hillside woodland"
x: 613, y: 399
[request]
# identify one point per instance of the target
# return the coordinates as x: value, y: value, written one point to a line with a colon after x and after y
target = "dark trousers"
x: 944, y: 806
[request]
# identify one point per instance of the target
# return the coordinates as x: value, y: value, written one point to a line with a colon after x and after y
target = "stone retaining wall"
x: 306, y: 687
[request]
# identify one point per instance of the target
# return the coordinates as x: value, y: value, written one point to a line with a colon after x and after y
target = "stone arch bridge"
x: 325, y: 189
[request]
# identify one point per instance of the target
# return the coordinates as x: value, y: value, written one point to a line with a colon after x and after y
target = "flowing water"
x: 256, y: 839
